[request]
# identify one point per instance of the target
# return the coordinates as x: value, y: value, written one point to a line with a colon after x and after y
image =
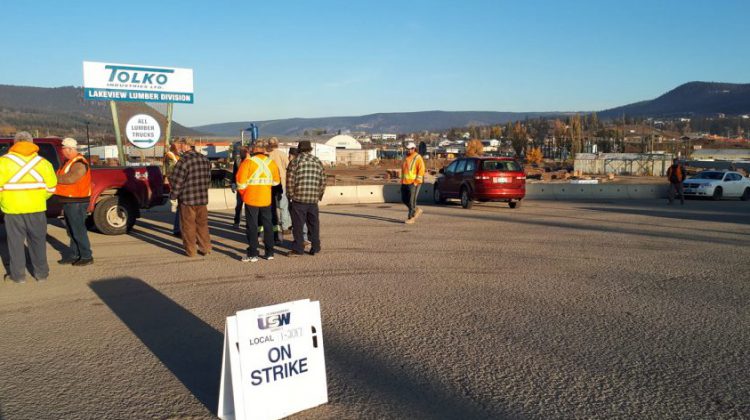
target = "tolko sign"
x: 131, y: 82
x: 142, y: 131
x: 274, y: 364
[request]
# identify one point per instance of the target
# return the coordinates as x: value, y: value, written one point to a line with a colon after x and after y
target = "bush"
x: 474, y: 148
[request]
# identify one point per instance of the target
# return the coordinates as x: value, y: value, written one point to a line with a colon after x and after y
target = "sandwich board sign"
x: 273, y: 364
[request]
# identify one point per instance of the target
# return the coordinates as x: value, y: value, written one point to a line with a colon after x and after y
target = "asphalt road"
x: 554, y: 310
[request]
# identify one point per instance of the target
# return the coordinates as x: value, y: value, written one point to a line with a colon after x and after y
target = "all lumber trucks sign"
x: 273, y: 364
x: 137, y: 83
x: 142, y: 131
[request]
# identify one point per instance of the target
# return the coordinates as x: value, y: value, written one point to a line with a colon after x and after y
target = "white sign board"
x: 273, y: 364
x: 142, y: 131
x: 131, y: 82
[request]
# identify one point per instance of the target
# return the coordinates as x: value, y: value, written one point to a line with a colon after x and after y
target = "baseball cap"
x: 411, y: 145
x: 70, y: 142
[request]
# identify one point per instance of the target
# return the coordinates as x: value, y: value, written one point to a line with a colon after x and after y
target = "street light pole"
x: 88, y: 142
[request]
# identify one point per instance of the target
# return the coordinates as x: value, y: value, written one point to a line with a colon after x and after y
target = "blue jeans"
x: 75, y: 225
x: 284, y: 215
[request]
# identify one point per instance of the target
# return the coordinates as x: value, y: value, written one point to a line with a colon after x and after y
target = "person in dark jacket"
x: 305, y: 186
x: 676, y: 174
x: 190, y: 181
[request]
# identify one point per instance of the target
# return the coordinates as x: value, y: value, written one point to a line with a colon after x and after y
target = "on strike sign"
x: 274, y: 364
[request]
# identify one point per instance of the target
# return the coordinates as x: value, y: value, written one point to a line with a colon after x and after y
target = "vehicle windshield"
x: 501, y: 165
x: 709, y: 175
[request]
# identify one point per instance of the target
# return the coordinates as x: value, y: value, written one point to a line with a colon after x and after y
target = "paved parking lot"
x: 555, y: 310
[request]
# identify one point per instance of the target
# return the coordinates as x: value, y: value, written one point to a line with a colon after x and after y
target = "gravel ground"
x: 554, y: 310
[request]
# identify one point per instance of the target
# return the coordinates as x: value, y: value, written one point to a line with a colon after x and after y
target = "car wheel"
x: 437, y: 196
x: 514, y: 204
x: 717, y: 193
x: 466, y: 198
x: 114, y: 215
x: 745, y: 195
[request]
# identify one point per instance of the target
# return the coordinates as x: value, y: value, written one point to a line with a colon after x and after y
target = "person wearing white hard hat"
x: 412, y: 177
x: 74, y: 193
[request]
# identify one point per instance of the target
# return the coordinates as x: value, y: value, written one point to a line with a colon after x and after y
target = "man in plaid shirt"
x: 305, y: 185
x: 190, y: 180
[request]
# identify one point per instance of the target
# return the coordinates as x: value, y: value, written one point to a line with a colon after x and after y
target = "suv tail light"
x: 481, y: 177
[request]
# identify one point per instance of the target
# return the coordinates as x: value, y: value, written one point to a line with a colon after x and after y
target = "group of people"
x: 27, y: 181
x: 278, y: 193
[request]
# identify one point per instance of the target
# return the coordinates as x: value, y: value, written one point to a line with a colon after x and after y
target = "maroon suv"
x: 481, y: 179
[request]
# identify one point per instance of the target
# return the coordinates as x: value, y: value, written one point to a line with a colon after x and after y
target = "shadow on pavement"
x: 684, y: 212
x: 366, y: 216
x: 361, y: 368
x: 190, y: 348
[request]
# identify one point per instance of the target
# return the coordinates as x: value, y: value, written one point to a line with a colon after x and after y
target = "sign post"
x: 118, y: 137
x: 273, y: 363
x: 137, y: 83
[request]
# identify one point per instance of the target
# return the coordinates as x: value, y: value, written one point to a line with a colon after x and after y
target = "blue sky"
x: 267, y: 60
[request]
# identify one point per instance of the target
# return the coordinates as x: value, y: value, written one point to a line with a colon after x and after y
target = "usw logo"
x: 274, y: 321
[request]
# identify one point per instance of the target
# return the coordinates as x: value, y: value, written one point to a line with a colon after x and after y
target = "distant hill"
x: 398, y: 122
x: 62, y: 111
x: 694, y: 98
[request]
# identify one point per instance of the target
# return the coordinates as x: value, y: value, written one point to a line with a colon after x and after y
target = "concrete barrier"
x: 340, y: 195
x: 572, y: 191
x: 221, y: 199
x: 392, y: 193
x: 646, y: 191
x: 217, y: 199
x: 370, y: 194
x: 610, y: 191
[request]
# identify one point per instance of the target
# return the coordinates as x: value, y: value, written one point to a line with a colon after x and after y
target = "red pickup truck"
x: 117, y: 193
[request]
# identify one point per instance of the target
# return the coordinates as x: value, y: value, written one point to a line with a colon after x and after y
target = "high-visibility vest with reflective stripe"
x: 26, y: 184
x: 16, y: 183
x: 173, y: 157
x: 79, y: 189
x: 412, y: 170
x: 255, y: 178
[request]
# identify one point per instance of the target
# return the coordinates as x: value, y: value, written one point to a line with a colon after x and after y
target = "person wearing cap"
x: 27, y: 180
x: 255, y: 179
x: 190, y: 181
x: 282, y: 220
x: 74, y: 193
x: 412, y: 177
x: 305, y: 186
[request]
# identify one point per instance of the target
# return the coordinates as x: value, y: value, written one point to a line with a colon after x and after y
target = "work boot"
x: 7, y: 277
x: 418, y: 212
x: 82, y: 262
x: 410, y: 221
x: 68, y: 260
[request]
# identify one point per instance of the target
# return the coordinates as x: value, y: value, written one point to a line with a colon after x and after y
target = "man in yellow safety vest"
x: 255, y: 178
x: 27, y: 180
x: 412, y: 177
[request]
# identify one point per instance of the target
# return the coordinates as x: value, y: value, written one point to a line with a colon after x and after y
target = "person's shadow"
x: 186, y: 345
